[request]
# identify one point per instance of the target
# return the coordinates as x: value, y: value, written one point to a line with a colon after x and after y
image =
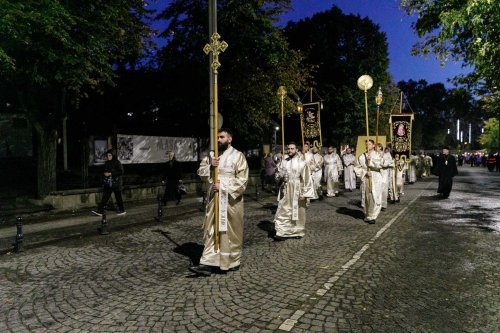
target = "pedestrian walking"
x: 295, y: 188
x: 224, y: 254
x: 112, y: 182
x: 172, y: 179
x: 269, y: 169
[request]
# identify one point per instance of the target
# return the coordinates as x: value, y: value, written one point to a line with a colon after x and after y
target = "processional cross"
x: 215, y: 47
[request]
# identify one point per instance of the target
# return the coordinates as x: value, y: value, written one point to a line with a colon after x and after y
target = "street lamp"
x: 276, y: 129
x: 378, y: 101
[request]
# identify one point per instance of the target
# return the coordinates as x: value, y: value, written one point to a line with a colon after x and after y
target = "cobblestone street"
x: 427, y: 265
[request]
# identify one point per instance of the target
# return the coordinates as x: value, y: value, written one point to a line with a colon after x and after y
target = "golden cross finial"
x: 216, y: 47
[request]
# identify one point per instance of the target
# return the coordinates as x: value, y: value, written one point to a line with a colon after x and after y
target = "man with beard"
x: 333, y: 169
x: 349, y: 176
x: 316, y: 167
x: 446, y: 169
x: 386, y: 171
x: 232, y: 181
x: 368, y: 170
x: 296, y: 187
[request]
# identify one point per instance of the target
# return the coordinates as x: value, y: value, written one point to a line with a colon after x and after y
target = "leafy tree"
x: 436, y: 109
x: 52, y: 53
x: 257, y: 61
x: 342, y: 48
x: 490, y: 139
x: 428, y: 103
x: 462, y: 30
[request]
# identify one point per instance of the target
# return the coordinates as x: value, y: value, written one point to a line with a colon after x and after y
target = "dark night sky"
x: 392, y: 21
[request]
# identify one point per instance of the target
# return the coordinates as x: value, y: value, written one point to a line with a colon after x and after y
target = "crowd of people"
x: 297, y: 179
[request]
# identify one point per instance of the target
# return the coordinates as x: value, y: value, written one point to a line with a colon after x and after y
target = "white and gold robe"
x: 296, y: 187
x: 400, y: 170
x: 386, y: 171
x: 316, y: 167
x: 412, y: 169
x: 233, y: 178
x: 349, y: 174
x: 371, y: 197
x: 333, y: 169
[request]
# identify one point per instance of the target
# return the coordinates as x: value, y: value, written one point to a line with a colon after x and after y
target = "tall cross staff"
x: 282, y: 93
x: 215, y: 48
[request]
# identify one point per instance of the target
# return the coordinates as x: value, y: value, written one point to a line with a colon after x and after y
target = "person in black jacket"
x: 112, y: 183
x: 446, y: 169
x: 172, y: 179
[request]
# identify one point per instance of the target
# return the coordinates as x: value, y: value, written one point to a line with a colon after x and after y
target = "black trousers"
x: 171, y: 192
x: 107, y: 194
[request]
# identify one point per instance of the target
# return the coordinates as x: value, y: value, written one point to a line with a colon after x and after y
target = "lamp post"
x: 365, y: 82
x: 378, y: 101
x: 282, y: 94
x: 276, y: 129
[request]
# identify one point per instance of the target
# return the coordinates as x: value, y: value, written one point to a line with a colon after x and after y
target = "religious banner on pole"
x: 311, y: 125
x: 401, y: 134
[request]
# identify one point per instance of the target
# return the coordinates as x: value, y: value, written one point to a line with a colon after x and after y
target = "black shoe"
x: 397, y: 201
x: 234, y: 269
x: 383, y: 208
x: 121, y: 212
x: 97, y: 212
x: 297, y: 237
x: 279, y: 238
x: 204, y: 270
x: 371, y: 222
x: 393, y: 201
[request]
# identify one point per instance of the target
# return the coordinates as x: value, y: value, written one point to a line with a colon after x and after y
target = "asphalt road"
x: 427, y: 265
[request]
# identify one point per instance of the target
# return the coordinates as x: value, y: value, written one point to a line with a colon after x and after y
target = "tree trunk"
x: 46, y: 157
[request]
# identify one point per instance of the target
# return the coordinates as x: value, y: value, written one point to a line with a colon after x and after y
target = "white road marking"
x: 288, y: 324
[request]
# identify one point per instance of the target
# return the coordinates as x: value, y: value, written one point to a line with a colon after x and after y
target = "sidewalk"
x: 46, y: 227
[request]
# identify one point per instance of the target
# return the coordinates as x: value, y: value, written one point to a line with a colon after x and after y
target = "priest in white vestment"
x: 316, y: 167
x: 333, y: 170
x: 296, y: 187
x: 232, y: 182
x: 386, y: 171
x: 349, y: 175
x: 368, y: 171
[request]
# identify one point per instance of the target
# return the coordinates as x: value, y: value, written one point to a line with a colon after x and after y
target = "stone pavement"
x: 427, y: 265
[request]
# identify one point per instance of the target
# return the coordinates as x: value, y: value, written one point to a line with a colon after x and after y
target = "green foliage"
x: 342, y: 48
x: 53, y: 52
x: 490, y: 139
x: 257, y: 61
x: 52, y: 47
x: 462, y: 30
x: 437, y: 109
